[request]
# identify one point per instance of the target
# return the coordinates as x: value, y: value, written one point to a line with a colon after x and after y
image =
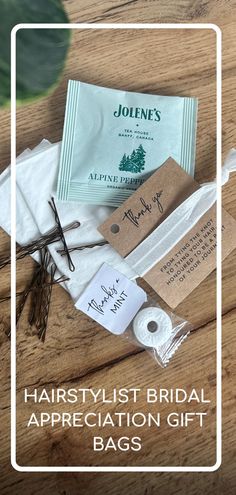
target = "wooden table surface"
x: 77, y: 352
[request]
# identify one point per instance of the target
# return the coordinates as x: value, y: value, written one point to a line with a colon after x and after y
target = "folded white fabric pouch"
x: 36, y: 180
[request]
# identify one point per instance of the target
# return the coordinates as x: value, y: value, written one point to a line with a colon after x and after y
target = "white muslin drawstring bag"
x: 36, y: 178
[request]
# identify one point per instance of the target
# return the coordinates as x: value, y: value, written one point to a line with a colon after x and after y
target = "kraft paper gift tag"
x: 191, y: 259
x: 147, y: 207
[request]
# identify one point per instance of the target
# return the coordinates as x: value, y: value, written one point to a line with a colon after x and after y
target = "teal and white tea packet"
x: 114, y: 140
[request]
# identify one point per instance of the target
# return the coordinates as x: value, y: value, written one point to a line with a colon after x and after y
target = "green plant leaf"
x: 40, y: 53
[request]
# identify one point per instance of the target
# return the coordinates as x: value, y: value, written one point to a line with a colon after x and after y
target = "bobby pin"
x: 23, y: 297
x: 57, y: 219
x: 46, y: 305
x: 52, y: 236
x: 62, y: 252
x: 57, y: 281
x: 41, y: 319
x: 40, y: 284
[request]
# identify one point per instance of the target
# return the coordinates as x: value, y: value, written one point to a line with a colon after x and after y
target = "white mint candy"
x: 152, y: 327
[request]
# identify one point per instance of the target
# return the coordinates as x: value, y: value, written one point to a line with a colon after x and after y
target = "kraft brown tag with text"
x: 192, y: 259
x: 140, y: 214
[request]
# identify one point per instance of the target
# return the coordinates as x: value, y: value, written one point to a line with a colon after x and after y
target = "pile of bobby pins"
x: 40, y: 287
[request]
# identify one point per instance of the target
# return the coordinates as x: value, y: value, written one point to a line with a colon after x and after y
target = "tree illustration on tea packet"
x: 135, y: 162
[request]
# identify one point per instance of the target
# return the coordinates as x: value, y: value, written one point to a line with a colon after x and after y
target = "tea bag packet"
x: 170, y: 239
x: 114, y: 140
x: 124, y: 309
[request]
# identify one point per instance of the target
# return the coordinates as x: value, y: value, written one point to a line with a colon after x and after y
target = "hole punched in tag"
x: 115, y: 229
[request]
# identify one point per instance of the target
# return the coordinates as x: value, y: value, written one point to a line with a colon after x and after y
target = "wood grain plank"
x: 68, y: 446
x: 75, y: 445
x: 69, y: 355
x: 149, y: 10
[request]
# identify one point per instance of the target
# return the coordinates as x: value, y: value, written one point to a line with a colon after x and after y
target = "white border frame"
x: 13, y: 254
